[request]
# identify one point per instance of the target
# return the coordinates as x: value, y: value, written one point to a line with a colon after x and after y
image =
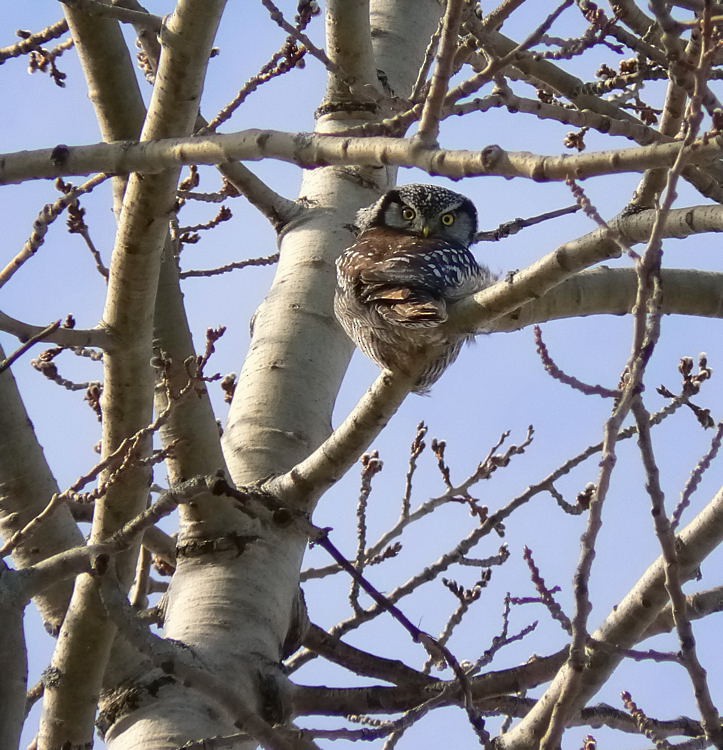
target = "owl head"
x: 424, y: 210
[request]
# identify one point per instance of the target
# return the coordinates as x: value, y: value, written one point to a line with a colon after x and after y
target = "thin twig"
x: 278, y: 17
x: 40, y: 336
x: 510, y: 228
x: 433, y: 104
x: 371, y: 466
x: 696, y: 475
x: 33, y: 41
x: 435, y: 649
x: 46, y: 217
x: 688, y: 652
x: 418, y: 445
x: 196, y: 273
x: 281, y: 62
x: 553, y: 370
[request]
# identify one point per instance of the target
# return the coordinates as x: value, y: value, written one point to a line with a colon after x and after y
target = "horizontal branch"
x: 534, y: 283
x: 361, y: 662
x: 338, y: 453
x: 124, y: 15
x: 383, y: 699
x: 316, y: 150
x: 611, y: 291
x: 95, y: 337
x: 553, y: 287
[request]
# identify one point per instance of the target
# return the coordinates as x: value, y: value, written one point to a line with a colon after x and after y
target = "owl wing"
x: 406, y: 279
x: 404, y: 306
x: 398, y: 295
x: 411, y: 285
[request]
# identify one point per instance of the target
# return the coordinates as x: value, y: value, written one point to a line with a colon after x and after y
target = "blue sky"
x: 498, y: 384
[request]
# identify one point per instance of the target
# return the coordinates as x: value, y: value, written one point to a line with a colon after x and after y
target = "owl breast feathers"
x: 409, y: 262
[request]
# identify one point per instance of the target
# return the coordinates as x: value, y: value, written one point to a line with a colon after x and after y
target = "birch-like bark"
x: 232, y: 597
x: 13, y: 665
x: 233, y: 609
x: 26, y: 481
x: 112, y: 85
x: 534, y: 282
x: 611, y: 291
x: 313, y: 151
x: 26, y: 486
x: 87, y: 634
x: 282, y: 405
x: 298, y: 355
x: 597, y: 291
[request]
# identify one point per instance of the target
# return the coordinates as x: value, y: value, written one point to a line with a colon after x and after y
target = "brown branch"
x: 486, y: 468
x: 360, y: 662
x: 266, y: 261
x: 546, y: 593
x: 510, y: 228
x: 644, y: 724
x: 420, y: 85
x: 434, y: 102
x: 295, y: 33
x: 673, y: 580
x: 433, y: 647
x: 694, y: 480
x: 281, y: 62
x: 371, y: 466
x: 415, y: 451
x: 32, y: 42
x: 498, y: 63
x: 40, y: 336
x: 553, y: 370
x: 46, y: 217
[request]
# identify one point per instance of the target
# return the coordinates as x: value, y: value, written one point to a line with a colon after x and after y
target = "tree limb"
x: 316, y: 150
x: 627, y: 624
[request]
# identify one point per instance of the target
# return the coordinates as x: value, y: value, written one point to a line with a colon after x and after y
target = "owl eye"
x: 448, y: 219
x: 408, y: 213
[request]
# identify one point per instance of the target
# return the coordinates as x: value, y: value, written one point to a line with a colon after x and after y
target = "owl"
x: 410, y: 260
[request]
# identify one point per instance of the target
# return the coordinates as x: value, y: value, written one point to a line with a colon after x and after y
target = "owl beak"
x: 426, y: 229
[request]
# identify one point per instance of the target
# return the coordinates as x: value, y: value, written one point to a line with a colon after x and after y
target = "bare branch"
x: 266, y: 261
x: 628, y: 622
x: 692, y: 484
x: 294, y: 33
x: 124, y: 15
x: 510, y: 228
x: 429, y: 121
x: 558, y: 374
x: 311, y: 151
x: 46, y: 217
x: 673, y: 580
x: 361, y: 662
x: 33, y: 41
x: 62, y: 336
x: 40, y: 336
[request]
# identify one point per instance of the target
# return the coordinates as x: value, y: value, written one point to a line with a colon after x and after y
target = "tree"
x: 235, y: 652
